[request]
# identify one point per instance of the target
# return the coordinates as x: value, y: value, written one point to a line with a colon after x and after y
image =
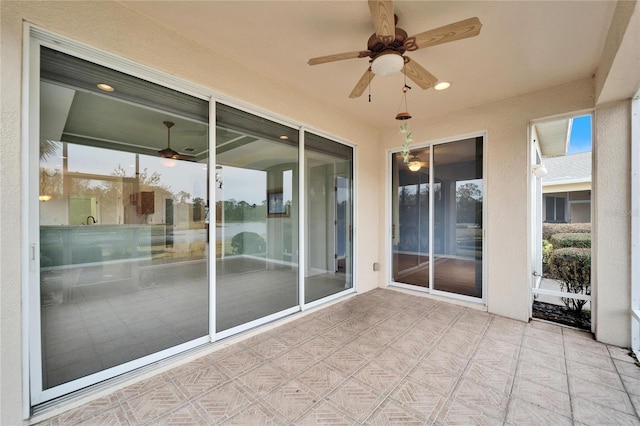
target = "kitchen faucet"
x: 92, y: 218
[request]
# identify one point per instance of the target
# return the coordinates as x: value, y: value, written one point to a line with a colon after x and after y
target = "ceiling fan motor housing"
x: 379, y: 44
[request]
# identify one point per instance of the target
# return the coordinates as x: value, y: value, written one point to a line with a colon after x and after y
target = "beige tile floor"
x: 387, y: 357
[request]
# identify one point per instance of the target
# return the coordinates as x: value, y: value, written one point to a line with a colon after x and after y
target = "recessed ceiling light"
x: 105, y: 87
x: 442, y: 85
x: 284, y: 137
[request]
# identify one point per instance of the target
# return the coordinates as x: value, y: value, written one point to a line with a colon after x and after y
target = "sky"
x: 580, y: 140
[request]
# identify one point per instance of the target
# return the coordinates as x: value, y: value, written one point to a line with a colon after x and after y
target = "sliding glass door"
x: 123, y: 271
x: 458, y: 225
x: 437, y: 218
x: 411, y: 219
x: 256, y: 218
x: 329, y: 227
x: 125, y: 198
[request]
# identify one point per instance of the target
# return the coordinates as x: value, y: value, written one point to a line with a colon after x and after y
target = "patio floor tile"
x: 387, y: 357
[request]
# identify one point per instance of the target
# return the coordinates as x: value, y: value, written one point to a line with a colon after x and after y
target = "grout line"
x: 406, y: 374
x: 566, y: 367
x: 463, y: 369
x: 515, y: 373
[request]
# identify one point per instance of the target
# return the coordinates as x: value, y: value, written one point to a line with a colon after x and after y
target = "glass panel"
x: 329, y: 181
x: 560, y: 210
x: 123, y: 247
x: 457, y: 228
x: 411, y: 220
x: 550, y: 208
x: 256, y: 218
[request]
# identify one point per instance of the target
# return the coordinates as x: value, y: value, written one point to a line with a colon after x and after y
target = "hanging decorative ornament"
x: 407, y: 139
x: 404, y: 128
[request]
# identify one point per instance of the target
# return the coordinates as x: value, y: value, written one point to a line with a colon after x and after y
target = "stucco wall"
x: 507, y: 178
x: 115, y: 29
x: 612, y: 223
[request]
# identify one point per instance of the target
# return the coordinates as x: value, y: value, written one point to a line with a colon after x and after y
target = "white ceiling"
x: 523, y: 46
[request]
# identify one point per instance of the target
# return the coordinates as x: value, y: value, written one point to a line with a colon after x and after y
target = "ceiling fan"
x: 170, y: 153
x: 387, y: 47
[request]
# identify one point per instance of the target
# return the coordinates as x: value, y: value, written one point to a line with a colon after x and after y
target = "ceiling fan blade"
x: 452, y: 32
x: 419, y: 75
x: 338, y: 57
x: 362, y: 84
x: 383, y: 18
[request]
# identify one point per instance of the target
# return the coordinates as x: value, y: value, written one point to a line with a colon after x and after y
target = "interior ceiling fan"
x: 170, y: 153
x: 387, y: 47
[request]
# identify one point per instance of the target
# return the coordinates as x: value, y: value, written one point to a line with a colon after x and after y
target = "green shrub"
x: 547, y: 249
x: 572, y: 267
x: 248, y: 243
x: 548, y: 229
x: 576, y: 240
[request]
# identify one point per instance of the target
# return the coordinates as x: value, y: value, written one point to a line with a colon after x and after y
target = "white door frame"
x: 635, y: 225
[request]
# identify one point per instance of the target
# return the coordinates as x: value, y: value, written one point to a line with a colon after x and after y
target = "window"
x: 554, y: 209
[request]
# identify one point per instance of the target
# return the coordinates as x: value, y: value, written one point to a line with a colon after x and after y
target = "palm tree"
x: 48, y: 148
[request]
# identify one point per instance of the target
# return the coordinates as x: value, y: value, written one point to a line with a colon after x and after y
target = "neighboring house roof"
x: 567, y: 169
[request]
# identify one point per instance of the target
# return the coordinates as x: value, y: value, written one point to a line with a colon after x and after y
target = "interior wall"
x: 113, y: 28
x: 508, y: 264
x: 611, y: 239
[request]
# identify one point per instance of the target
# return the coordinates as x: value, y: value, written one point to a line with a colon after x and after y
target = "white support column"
x: 635, y: 225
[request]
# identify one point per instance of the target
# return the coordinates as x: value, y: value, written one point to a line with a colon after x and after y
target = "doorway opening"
x: 561, y: 183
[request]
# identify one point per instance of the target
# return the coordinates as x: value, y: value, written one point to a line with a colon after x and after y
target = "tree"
x: 183, y: 196
x: 469, y: 203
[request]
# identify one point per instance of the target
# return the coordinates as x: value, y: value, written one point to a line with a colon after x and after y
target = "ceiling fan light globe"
x: 168, y: 162
x: 387, y: 64
x: 414, y: 166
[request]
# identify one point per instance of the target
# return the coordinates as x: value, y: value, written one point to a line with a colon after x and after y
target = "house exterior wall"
x: 506, y: 179
x: 611, y: 239
x: 115, y: 29
x: 566, y: 187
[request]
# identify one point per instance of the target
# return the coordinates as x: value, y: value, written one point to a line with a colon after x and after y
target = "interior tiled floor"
x: 387, y: 357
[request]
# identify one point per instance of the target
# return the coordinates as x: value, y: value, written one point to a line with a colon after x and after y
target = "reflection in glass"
x: 123, y: 243
x: 256, y: 218
x: 458, y: 225
x: 329, y: 209
x: 411, y: 220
